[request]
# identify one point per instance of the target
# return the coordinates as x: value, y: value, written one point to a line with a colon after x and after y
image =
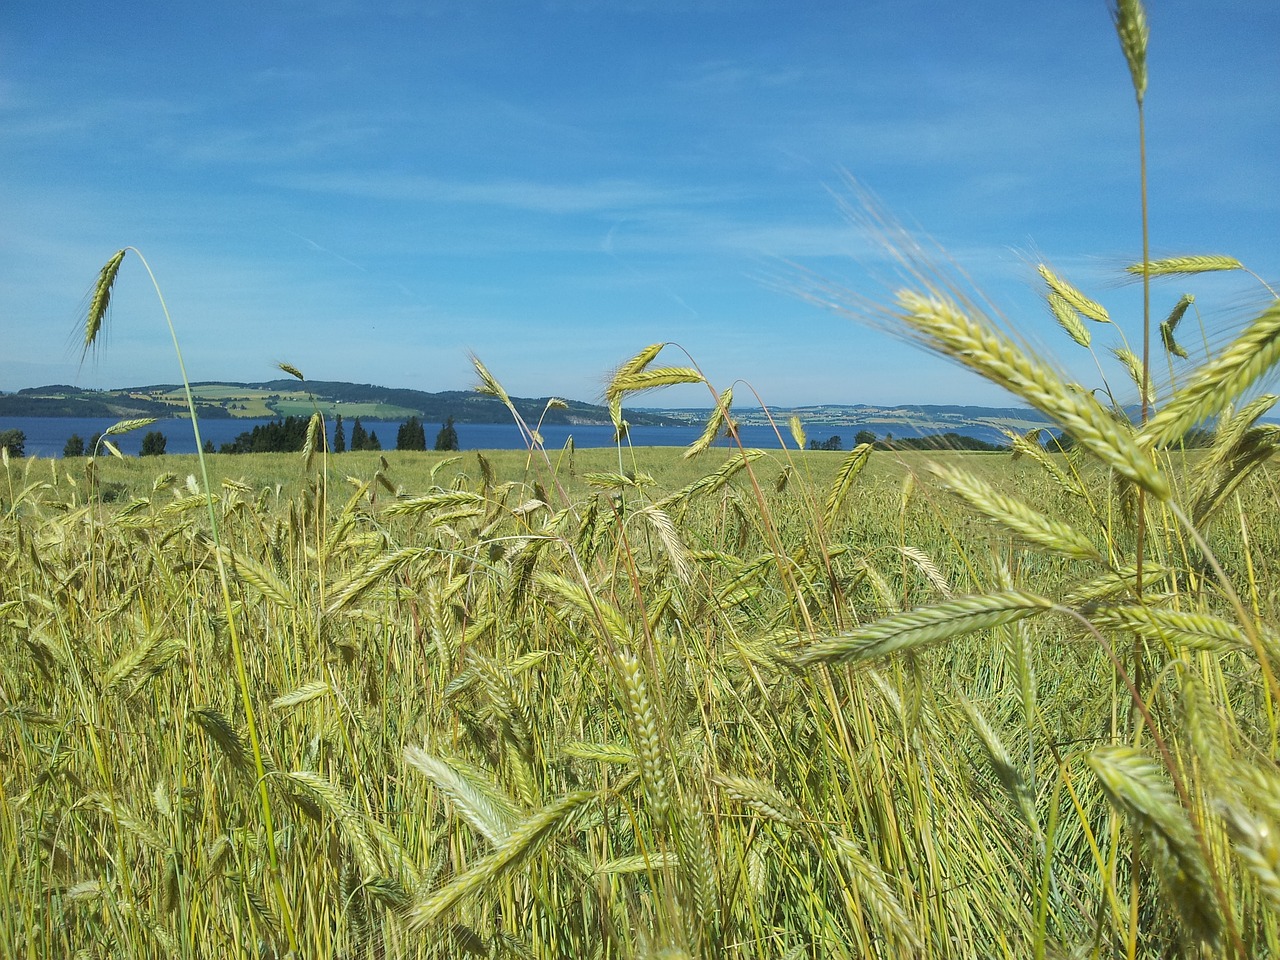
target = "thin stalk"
x: 1140, y: 546
x: 1146, y: 355
x: 242, y: 677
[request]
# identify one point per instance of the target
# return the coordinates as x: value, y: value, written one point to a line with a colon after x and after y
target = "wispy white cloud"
x: 536, y: 196
x: 725, y: 76
x: 33, y: 120
x: 277, y: 145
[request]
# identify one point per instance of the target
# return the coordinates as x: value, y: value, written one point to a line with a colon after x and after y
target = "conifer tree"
x: 359, y: 438
x: 447, y: 438
x: 153, y: 444
x: 411, y: 435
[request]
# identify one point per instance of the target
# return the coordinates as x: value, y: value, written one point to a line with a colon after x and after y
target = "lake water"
x: 46, y: 436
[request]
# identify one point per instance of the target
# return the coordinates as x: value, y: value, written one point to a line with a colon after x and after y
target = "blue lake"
x: 46, y: 436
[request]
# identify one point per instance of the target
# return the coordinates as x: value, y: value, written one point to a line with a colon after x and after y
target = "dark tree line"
x: 278, y: 436
x: 288, y: 435
x: 939, y: 441
x: 934, y: 441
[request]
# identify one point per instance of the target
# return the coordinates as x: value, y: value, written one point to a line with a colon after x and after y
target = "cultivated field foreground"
x: 499, y: 705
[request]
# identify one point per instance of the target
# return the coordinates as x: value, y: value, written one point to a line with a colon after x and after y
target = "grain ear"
x: 943, y: 326
x: 1130, y: 19
x: 100, y: 301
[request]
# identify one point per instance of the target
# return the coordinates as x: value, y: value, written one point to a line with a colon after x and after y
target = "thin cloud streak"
x: 528, y: 195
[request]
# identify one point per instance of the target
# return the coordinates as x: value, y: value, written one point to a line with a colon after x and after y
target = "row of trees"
x: 413, y: 436
x: 290, y: 434
x: 279, y: 436
x: 153, y: 444
x: 360, y: 438
x: 831, y: 443
x: 934, y: 441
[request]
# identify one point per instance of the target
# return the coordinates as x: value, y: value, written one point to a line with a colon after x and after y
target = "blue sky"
x: 370, y: 190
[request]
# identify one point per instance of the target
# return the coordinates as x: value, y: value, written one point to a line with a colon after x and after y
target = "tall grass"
x: 621, y: 704
x: 598, y: 740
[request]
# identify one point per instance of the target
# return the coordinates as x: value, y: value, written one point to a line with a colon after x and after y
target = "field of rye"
x: 663, y: 704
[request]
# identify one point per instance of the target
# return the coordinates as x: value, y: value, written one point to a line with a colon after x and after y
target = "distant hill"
x: 289, y: 397
x: 282, y: 398
x: 907, y: 420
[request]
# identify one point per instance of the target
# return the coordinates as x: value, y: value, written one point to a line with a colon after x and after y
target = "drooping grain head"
x: 797, y: 431
x: 1133, y: 366
x: 488, y: 384
x: 1171, y: 346
x: 1090, y: 309
x: 1170, y: 324
x: 1069, y: 320
x: 639, y: 362
x: 715, y: 424
x: 315, y: 437
x: 100, y: 300
x: 1176, y: 314
x: 1138, y: 787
